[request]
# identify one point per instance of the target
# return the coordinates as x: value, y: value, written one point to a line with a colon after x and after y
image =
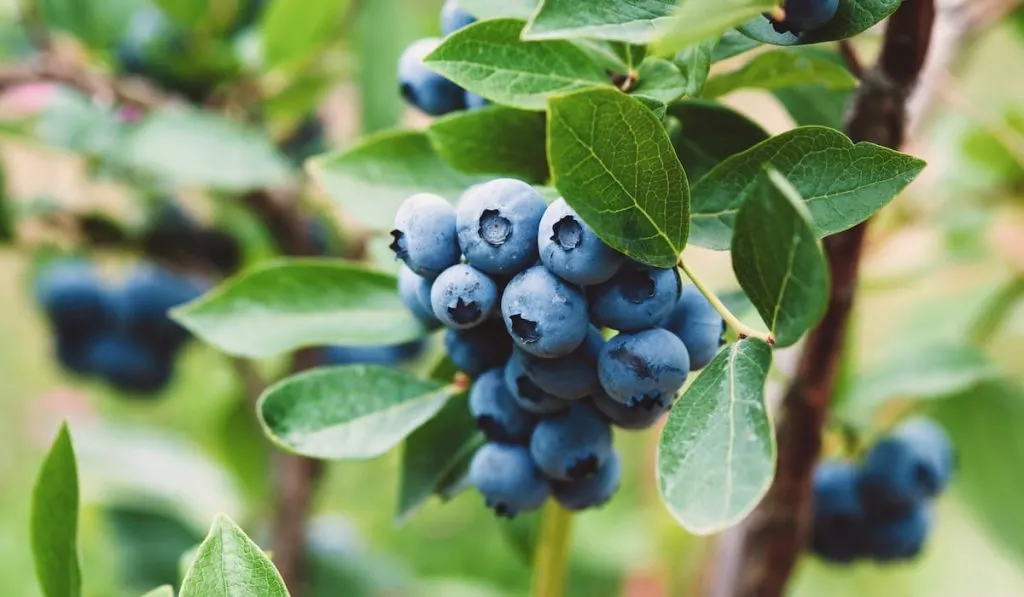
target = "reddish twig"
x: 851, y: 58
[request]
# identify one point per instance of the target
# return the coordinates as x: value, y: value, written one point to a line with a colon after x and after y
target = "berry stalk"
x: 742, y: 330
x: 551, y: 559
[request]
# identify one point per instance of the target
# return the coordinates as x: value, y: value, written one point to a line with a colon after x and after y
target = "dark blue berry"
x: 528, y: 395
x: 839, y: 517
x: 571, y: 249
x: 546, y: 316
x: 128, y: 364
x: 908, y: 467
x: 590, y: 492
x: 698, y: 325
x: 390, y: 354
x: 497, y: 224
x: 642, y: 416
x: 474, y: 101
x: 571, y: 377
x: 414, y: 291
x: 637, y: 297
x: 808, y: 15
x: 496, y: 411
x: 480, y: 348
x: 646, y: 368
x: 463, y: 297
x: 422, y: 87
x: 897, y: 535
x: 573, y: 444
x: 148, y: 294
x: 424, y: 235
x: 508, y: 479
x: 74, y: 299
x: 454, y: 17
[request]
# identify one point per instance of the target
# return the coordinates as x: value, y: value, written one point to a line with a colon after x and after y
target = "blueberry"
x: 839, y: 518
x: 698, y: 325
x: 424, y: 88
x: 474, y: 101
x: 911, y: 465
x: 478, y: 349
x: 590, y: 492
x: 496, y: 411
x: 129, y: 364
x: 897, y: 535
x: 424, y: 235
x: 148, y: 294
x: 571, y: 377
x: 388, y: 354
x: 463, y: 296
x: 637, y: 297
x: 415, y: 294
x: 528, y: 395
x: 573, y: 444
x: 808, y: 15
x: 497, y: 224
x: 545, y: 316
x: 508, y: 479
x: 71, y: 351
x: 642, y: 416
x: 646, y: 368
x: 454, y: 17
x: 571, y: 249
x: 73, y: 298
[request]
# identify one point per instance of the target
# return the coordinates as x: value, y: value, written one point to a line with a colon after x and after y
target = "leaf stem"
x: 996, y: 310
x: 742, y: 330
x: 552, y: 556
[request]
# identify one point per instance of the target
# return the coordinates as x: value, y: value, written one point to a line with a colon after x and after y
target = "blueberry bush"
x: 504, y: 291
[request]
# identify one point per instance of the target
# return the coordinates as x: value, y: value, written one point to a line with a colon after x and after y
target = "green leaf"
x: 489, y: 59
x: 814, y: 105
x: 661, y: 80
x: 164, y: 591
x: 694, y: 62
x: 783, y: 67
x: 54, y: 520
x: 698, y: 20
x: 98, y: 24
x: 843, y: 184
x: 613, y: 162
x: 710, y: 133
x: 147, y: 540
x: 716, y: 455
x: 733, y: 43
x: 75, y: 122
x: 633, y: 21
x: 287, y: 304
x: 497, y: 9
x: 187, y: 13
x: 522, y: 534
x: 433, y: 453
x: 316, y: 19
x: 201, y: 148
x: 493, y: 140
x: 373, y: 178
x: 229, y: 564
x: 854, y: 16
x: 350, y: 412
x: 778, y: 260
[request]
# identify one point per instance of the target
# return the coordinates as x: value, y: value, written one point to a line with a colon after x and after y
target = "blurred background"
x: 938, y: 328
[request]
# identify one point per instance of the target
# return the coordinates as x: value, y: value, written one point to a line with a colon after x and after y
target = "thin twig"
x: 849, y: 54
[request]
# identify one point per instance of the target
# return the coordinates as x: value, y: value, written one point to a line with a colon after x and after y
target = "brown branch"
x: 849, y: 55
x: 756, y: 559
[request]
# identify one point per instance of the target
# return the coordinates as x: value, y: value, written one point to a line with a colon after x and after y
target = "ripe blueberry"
x: 546, y: 316
x: 571, y: 249
x: 478, y: 349
x: 129, y: 364
x: 529, y: 396
x: 497, y: 223
x: 474, y: 101
x: 424, y: 235
x: 73, y: 298
x: 508, y: 479
x: 698, y: 325
x: 590, y: 492
x: 454, y: 17
x: 897, y: 535
x: 414, y: 291
x: 571, y: 377
x: 637, y: 297
x: 808, y: 15
x: 496, y: 411
x: 573, y: 444
x: 839, y: 518
x: 149, y: 292
x: 641, y: 416
x: 389, y: 354
x: 463, y: 296
x: 422, y: 87
x: 646, y: 368
x: 911, y: 465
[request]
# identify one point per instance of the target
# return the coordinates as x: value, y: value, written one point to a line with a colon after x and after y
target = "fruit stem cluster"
x: 742, y: 330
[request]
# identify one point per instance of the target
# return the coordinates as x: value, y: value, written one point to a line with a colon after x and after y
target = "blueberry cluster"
x: 806, y: 15
x: 121, y: 335
x: 882, y: 509
x: 525, y: 289
x: 425, y: 89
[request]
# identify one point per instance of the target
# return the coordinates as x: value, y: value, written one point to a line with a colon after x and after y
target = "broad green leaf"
x: 695, y: 63
x: 497, y: 9
x: 854, y: 16
x: 613, y: 162
x: 433, y: 452
x: 187, y: 13
x: 783, y: 67
x: 716, y: 455
x: 229, y: 564
x: 379, y: 39
x: 351, y: 412
x: 493, y: 140
x: 373, y: 178
x: 147, y: 541
x: 75, y: 122
x: 99, y: 25
x: 54, y: 521
x: 282, y: 19
x: 190, y: 147
x: 814, y: 105
x: 733, y: 43
x: 697, y: 20
x: 287, y: 304
x: 164, y: 591
x: 489, y: 59
x: 633, y: 21
x: 843, y: 184
x: 522, y: 534
x: 778, y: 260
x: 660, y: 80
x: 710, y: 133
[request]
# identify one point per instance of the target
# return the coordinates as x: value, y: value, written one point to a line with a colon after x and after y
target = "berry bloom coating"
x: 148, y: 294
x: 496, y: 411
x: 73, y: 298
x: 507, y: 478
x: 127, y: 364
x: 480, y: 348
x: 571, y: 377
x: 808, y: 15
x: 453, y: 17
x: 839, y: 516
x: 571, y: 249
x: 911, y: 465
x: 474, y: 101
x: 424, y: 235
x: 422, y: 87
x: 645, y: 369
x: 897, y: 535
x: 391, y: 354
x: 414, y: 291
x: 545, y: 316
x: 573, y: 444
x: 528, y: 395
x: 637, y: 297
x: 641, y: 416
x: 463, y: 296
x: 698, y: 325
x: 497, y: 224
x: 590, y: 492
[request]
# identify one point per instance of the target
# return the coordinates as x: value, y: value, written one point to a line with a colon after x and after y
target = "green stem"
x: 552, y: 556
x: 742, y: 330
x: 997, y: 310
